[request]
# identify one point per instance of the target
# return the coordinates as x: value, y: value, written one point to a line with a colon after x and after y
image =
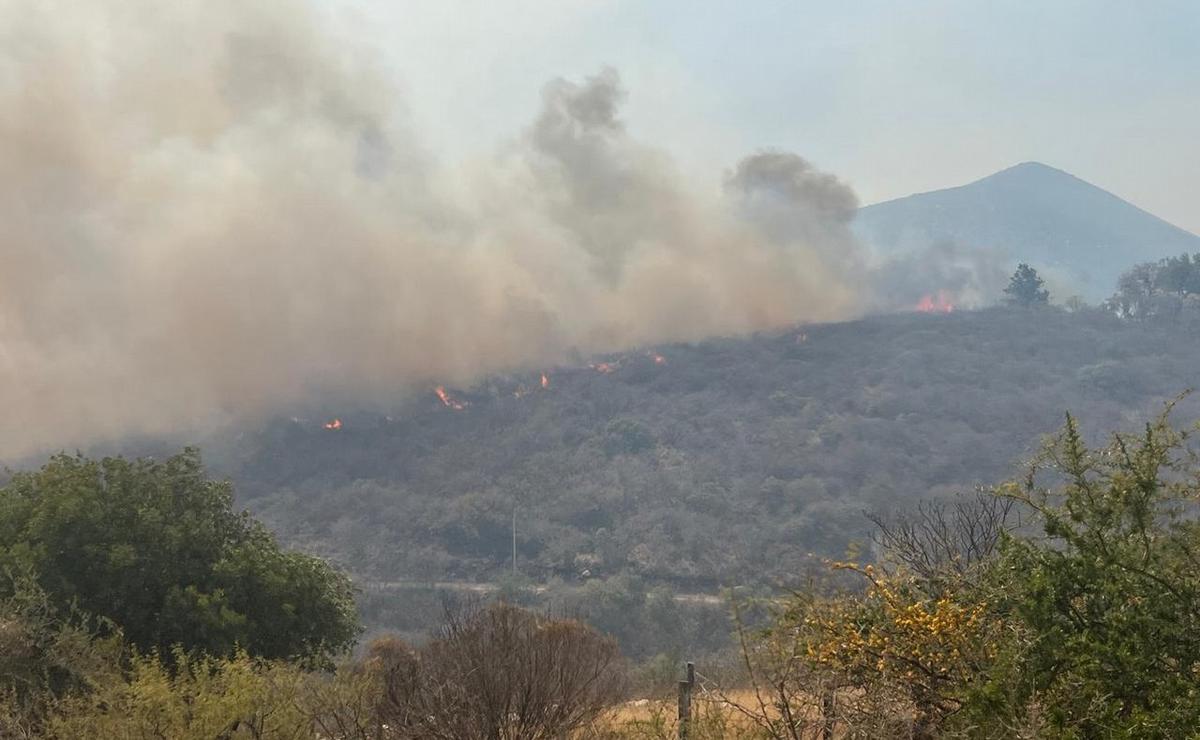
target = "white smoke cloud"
x: 216, y: 210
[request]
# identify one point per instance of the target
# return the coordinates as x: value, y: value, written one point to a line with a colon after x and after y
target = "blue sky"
x: 894, y: 97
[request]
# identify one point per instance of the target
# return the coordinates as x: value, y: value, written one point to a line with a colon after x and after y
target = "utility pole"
x: 514, y: 532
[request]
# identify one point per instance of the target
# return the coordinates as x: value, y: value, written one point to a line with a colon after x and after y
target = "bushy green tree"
x: 1025, y: 287
x: 1180, y: 275
x: 1109, y: 598
x: 157, y: 548
x: 1167, y: 290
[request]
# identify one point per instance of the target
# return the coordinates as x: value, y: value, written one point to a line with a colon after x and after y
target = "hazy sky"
x: 895, y: 97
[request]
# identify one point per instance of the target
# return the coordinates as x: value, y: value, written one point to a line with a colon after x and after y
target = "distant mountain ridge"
x: 1081, y: 236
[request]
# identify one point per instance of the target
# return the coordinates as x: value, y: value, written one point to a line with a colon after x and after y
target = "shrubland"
x: 740, y: 462
x: 1063, y: 603
x: 737, y: 461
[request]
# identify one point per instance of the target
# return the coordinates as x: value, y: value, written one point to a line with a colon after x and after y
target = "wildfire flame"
x: 605, y: 367
x: 449, y: 401
x: 545, y: 380
x: 335, y: 424
x: 658, y: 359
x: 939, y: 303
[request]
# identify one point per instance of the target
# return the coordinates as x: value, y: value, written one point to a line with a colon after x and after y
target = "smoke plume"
x: 215, y: 210
x: 972, y: 276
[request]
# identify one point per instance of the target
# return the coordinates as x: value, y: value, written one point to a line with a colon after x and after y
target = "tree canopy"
x: 157, y: 548
x: 1025, y: 287
x: 1109, y: 599
x: 1167, y: 291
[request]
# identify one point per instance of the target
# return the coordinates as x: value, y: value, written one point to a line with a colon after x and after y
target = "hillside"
x: 1079, y: 235
x: 726, y: 461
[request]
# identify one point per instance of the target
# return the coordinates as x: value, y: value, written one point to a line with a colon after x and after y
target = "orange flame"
x: 658, y: 359
x: 545, y: 380
x: 449, y: 401
x: 335, y: 424
x: 605, y: 367
x: 940, y: 303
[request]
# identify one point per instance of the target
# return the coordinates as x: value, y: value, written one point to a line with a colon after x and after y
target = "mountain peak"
x: 1034, y: 172
x: 1032, y: 166
x: 1080, y: 236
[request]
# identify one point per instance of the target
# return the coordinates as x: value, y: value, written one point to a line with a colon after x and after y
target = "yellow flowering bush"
x: 895, y: 641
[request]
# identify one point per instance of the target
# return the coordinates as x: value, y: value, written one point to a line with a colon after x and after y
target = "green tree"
x: 1179, y: 275
x: 1165, y: 290
x: 1025, y: 287
x: 157, y: 548
x: 1110, y: 596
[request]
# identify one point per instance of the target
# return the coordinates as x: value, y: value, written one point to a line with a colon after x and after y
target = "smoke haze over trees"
x: 244, y: 226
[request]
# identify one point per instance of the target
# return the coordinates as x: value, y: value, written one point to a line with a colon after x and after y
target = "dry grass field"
x: 738, y: 714
x: 714, y: 717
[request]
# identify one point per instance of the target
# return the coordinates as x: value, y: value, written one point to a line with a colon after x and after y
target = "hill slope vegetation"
x: 726, y: 461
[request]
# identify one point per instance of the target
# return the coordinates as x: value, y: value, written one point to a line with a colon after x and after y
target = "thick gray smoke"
x: 215, y: 209
x: 797, y: 206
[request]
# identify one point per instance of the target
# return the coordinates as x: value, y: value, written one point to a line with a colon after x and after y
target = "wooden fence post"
x: 685, y: 709
x: 685, y: 701
x: 828, y: 713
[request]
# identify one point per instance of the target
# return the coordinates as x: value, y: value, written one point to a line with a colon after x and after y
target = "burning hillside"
x: 663, y: 470
x: 448, y: 400
x: 939, y: 302
x: 301, y: 225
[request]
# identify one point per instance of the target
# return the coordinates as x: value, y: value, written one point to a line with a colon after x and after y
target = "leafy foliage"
x: 902, y: 657
x: 1025, y: 287
x: 196, y: 698
x: 1167, y: 291
x: 157, y: 548
x: 46, y: 655
x: 1110, y: 598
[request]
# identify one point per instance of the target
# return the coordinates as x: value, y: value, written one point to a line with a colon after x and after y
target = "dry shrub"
x: 497, y: 672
